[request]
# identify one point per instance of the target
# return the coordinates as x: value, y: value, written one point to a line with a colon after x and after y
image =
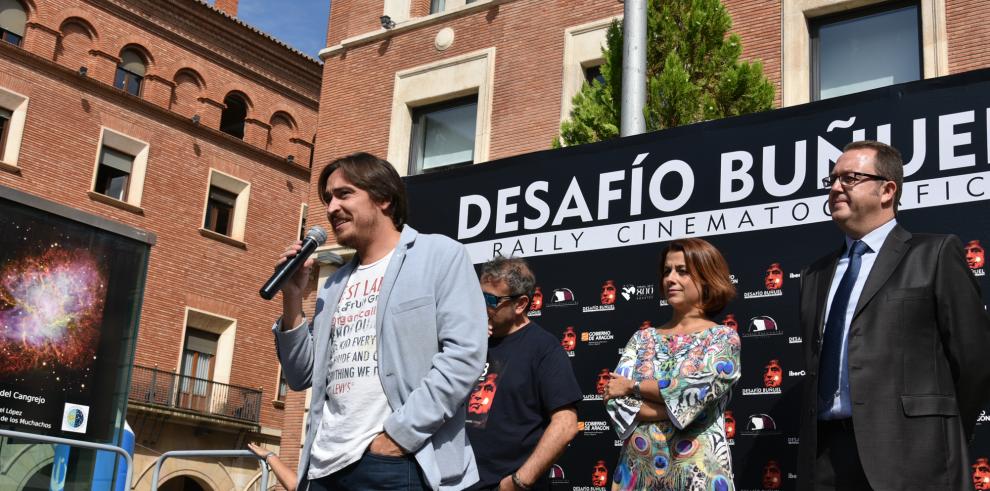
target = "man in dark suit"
x: 896, y: 336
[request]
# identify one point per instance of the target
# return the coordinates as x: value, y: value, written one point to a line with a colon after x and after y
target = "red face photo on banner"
x: 608, y: 293
x: 771, y: 475
x: 981, y: 474
x: 730, y: 425
x: 774, y: 278
x: 731, y: 322
x: 569, y: 340
x: 602, y: 381
x: 537, y: 302
x: 975, y: 255
x: 481, y: 398
x: 645, y: 325
x: 599, y: 474
x: 773, y: 375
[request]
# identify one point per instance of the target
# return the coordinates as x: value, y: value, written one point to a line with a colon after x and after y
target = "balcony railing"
x: 168, y: 389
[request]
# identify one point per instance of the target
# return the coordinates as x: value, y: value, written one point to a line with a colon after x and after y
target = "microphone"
x: 315, y: 237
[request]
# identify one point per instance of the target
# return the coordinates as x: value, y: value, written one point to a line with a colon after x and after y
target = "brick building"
x: 453, y: 82
x: 175, y: 118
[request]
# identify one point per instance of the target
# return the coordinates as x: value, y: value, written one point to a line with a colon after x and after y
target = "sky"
x: 301, y: 24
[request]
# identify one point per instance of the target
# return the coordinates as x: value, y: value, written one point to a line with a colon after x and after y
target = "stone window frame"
x: 139, y: 149
x: 796, y: 41
x: 238, y: 225
x: 17, y: 104
x: 446, y: 79
x: 582, y: 49
x: 223, y: 326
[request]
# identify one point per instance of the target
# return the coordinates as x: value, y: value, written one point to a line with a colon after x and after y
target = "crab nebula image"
x: 51, y: 308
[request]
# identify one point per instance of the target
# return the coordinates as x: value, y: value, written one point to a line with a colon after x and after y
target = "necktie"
x: 835, y: 325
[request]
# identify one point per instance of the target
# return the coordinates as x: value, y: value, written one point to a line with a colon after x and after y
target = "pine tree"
x: 693, y: 74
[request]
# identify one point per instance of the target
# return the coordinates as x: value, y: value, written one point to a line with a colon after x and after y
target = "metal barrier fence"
x: 82, y: 444
x: 163, y: 388
x: 208, y: 453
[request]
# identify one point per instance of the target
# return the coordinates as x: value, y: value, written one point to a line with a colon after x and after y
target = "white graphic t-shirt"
x: 355, y: 407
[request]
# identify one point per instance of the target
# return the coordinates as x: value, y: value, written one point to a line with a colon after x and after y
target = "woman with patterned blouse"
x: 667, y: 396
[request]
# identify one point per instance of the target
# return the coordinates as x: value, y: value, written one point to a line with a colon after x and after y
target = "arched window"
x: 130, y: 72
x: 232, y: 117
x: 13, y: 16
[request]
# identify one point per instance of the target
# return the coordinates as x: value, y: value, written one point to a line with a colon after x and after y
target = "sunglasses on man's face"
x: 492, y: 301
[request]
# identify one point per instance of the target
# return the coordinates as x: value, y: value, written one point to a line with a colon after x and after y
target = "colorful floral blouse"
x: 695, y: 373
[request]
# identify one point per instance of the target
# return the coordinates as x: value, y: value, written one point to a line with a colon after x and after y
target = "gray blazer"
x: 432, y: 342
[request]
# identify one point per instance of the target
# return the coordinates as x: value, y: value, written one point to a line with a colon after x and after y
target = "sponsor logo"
x: 733, y: 279
x: 730, y: 321
x: 730, y: 425
x: 792, y: 373
x: 562, y: 297
x: 591, y: 428
x: 793, y: 440
x: 599, y: 474
x: 794, y: 276
x: 760, y: 424
x: 773, y: 374
x: 630, y: 292
x: 983, y: 418
x: 536, y: 304
x: 556, y: 472
x: 794, y: 340
x: 773, y: 282
x: 75, y: 418
x: 595, y: 338
x: 981, y: 474
x: 762, y: 325
x: 771, y: 475
x: 568, y: 340
x: 608, y: 293
x: 976, y: 257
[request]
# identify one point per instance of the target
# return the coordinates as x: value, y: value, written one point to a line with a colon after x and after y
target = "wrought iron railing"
x: 168, y: 389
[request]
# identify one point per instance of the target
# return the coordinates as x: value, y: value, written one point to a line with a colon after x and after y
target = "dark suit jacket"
x: 919, y: 369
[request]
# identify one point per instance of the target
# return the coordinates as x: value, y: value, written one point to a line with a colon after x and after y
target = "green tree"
x: 693, y: 74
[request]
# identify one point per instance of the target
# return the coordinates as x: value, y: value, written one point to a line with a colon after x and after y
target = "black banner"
x: 70, y: 297
x: 592, y: 219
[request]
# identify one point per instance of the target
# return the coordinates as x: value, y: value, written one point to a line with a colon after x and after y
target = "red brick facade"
x: 195, y: 56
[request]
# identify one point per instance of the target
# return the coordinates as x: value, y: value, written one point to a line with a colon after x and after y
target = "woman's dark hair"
x: 375, y: 176
x: 707, y: 268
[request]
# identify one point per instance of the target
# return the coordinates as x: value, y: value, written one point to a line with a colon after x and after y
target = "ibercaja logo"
x: 981, y: 474
x: 730, y: 321
x: 599, y: 474
x: 536, y: 303
x: 730, y: 427
x: 976, y: 257
x: 771, y: 475
x: 568, y: 340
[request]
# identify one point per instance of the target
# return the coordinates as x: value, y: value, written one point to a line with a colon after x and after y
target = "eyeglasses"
x: 851, y: 179
x: 492, y: 301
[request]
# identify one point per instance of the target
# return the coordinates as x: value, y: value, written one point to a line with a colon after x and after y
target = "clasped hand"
x: 618, y: 386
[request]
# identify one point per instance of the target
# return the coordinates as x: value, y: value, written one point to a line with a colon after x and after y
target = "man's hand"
x: 618, y: 386
x: 385, y: 445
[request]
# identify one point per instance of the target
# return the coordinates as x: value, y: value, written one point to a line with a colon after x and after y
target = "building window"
x: 130, y: 72
x: 5, y: 117
x: 443, y: 135
x: 113, y: 173
x: 13, y: 18
x: 593, y: 73
x: 865, y: 49
x: 226, y: 205
x: 283, y: 387
x: 436, y: 6
x: 233, y: 115
x: 220, y: 210
x: 198, y: 355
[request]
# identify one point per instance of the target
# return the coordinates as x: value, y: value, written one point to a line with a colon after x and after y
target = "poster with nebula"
x: 69, y: 296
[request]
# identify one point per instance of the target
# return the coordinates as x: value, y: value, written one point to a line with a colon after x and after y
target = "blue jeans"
x: 375, y: 472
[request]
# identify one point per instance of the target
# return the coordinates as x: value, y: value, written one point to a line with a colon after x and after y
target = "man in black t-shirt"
x: 521, y: 414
